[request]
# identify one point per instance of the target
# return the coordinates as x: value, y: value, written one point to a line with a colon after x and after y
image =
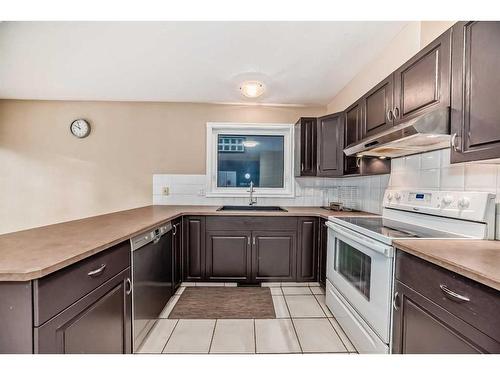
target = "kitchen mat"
x: 224, y: 303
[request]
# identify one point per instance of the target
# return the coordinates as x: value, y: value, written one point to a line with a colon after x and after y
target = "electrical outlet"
x: 165, y: 190
x: 201, y: 192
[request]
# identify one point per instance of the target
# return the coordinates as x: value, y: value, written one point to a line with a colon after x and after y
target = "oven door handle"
x: 387, y: 251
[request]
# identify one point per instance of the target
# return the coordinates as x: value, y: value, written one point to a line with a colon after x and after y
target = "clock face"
x: 80, y: 128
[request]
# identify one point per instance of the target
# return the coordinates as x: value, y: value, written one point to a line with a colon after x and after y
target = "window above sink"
x: 241, y: 153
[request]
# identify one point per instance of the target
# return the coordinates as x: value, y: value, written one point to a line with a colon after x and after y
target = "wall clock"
x: 80, y: 128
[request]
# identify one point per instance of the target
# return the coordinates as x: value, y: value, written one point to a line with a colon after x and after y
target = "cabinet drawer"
x: 55, y: 292
x: 481, y: 311
x: 251, y: 223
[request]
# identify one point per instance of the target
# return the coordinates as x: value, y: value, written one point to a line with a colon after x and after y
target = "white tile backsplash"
x: 430, y: 171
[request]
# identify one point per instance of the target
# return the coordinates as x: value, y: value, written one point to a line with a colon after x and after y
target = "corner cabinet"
x: 436, y: 311
x: 330, y: 142
x: 475, y: 113
x: 305, y: 147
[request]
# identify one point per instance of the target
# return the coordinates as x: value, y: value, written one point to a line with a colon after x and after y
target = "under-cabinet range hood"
x: 430, y: 131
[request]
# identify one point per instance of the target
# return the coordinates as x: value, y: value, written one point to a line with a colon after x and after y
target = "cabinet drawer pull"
x: 395, y: 301
x: 175, y: 230
x: 453, y: 142
x: 454, y: 296
x: 128, y: 286
x: 396, y: 112
x: 390, y: 115
x: 97, y: 271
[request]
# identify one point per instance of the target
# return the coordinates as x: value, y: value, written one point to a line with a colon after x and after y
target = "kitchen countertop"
x: 37, y: 252
x: 478, y: 260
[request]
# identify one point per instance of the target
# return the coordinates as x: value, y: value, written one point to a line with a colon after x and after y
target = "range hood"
x: 430, y: 131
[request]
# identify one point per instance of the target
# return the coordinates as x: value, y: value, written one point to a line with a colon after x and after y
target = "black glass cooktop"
x: 396, y: 229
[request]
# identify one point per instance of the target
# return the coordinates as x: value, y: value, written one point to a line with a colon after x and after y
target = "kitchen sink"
x: 251, y: 208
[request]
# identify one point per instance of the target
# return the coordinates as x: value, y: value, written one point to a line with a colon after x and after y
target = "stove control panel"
x: 466, y: 205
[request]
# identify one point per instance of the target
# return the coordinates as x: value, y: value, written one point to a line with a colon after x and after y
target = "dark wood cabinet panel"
x: 228, y: 255
x: 274, y: 256
x: 353, y: 132
x: 194, y: 248
x: 177, y: 252
x: 331, y: 145
x: 100, y: 322
x: 423, y: 82
x: 305, y: 147
x: 307, y: 250
x: 322, y: 250
x: 475, y: 113
x: 378, y: 106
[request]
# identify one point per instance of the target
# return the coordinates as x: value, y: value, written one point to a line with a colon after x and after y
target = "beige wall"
x: 49, y: 176
x: 407, y: 43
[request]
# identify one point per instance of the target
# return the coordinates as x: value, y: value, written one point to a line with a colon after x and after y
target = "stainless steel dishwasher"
x: 152, y: 279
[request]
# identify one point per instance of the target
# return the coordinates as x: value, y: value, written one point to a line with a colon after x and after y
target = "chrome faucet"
x: 252, y: 200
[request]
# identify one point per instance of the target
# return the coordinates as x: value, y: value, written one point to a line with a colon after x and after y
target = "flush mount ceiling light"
x: 250, y: 143
x: 252, y: 89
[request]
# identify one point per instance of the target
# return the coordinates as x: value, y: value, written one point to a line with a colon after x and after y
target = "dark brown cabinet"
x: 305, y: 147
x: 331, y: 145
x: 475, y: 113
x: 378, y: 108
x: 438, y: 311
x: 353, y: 131
x: 194, y: 248
x: 228, y: 255
x: 423, y: 82
x: 322, y: 251
x: 177, y: 252
x: 98, y: 323
x: 274, y: 256
x: 307, y: 251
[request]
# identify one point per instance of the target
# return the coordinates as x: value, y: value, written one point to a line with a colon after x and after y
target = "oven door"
x: 360, y: 269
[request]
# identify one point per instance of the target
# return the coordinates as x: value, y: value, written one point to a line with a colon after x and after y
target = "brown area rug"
x: 224, y: 303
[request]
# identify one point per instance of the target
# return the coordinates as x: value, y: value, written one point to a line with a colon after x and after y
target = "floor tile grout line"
x: 340, y: 337
x: 169, y: 337
x: 293, y: 324
x: 254, y: 338
x: 212, y: 338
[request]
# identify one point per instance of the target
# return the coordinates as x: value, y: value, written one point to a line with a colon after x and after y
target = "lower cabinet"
x: 194, y: 248
x: 98, y: 323
x: 436, y: 311
x: 274, y: 256
x: 307, y: 254
x: 228, y: 256
x: 177, y: 252
x: 322, y: 251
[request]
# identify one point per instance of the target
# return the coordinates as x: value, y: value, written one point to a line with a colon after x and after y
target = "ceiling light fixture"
x: 252, y: 89
x: 250, y: 143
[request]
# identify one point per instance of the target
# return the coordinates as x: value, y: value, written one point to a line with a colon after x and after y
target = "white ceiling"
x: 300, y: 62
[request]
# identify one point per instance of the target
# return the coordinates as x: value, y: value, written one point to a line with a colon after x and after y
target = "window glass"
x: 242, y: 159
x: 355, y: 267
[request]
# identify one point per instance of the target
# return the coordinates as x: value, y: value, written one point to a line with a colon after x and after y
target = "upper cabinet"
x: 475, y: 113
x: 305, y: 147
x: 423, y: 82
x: 378, y: 108
x: 330, y: 143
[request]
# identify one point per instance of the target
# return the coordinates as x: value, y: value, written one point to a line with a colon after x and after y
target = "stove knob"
x: 389, y: 197
x: 447, y: 200
x: 398, y: 196
x: 463, y: 203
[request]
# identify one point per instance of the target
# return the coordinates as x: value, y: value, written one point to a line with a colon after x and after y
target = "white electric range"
x: 360, y: 259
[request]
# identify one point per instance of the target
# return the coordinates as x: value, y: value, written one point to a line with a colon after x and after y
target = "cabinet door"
x: 98, y: 323
x: 228, y: 256
x: 194, y: 248
x: 274, y: 256
x: 307, y: 251
x: 422, y: 327
x: 331, y: 145
x: 305, y: 146
x: 352, y: 134
x: 423, y: 82
x: 177, y: 252
x: 475, y: 115
x: 377, y: 108
x: 322, y: 250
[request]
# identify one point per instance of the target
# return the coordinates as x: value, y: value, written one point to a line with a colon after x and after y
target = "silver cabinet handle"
x: 390, y: 115
x: 97, y: 271
x: 175, y: 230
x: 394, y: 305
x: 454, y: 296
x: 128, y: 286
x: 396, y: 112
x: 253, y: 240
x: 453, y: 142
x: 302, y: 167
x: 248, y: 240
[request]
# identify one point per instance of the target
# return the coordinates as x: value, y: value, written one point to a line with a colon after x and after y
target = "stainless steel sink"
x: 251, y: 208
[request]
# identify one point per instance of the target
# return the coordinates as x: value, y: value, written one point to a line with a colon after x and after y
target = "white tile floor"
x: 303, y: 324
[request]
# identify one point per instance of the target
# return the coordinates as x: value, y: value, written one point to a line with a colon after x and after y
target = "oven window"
x: 355, y: 266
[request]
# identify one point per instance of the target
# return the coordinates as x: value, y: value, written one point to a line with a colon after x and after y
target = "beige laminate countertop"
x: 34, y: 253
x: 478, y: 260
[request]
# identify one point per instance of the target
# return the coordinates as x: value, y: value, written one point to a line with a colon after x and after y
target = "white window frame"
x: 232, y: 128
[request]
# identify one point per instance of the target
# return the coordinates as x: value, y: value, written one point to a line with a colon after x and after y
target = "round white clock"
x: 80, y: 128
